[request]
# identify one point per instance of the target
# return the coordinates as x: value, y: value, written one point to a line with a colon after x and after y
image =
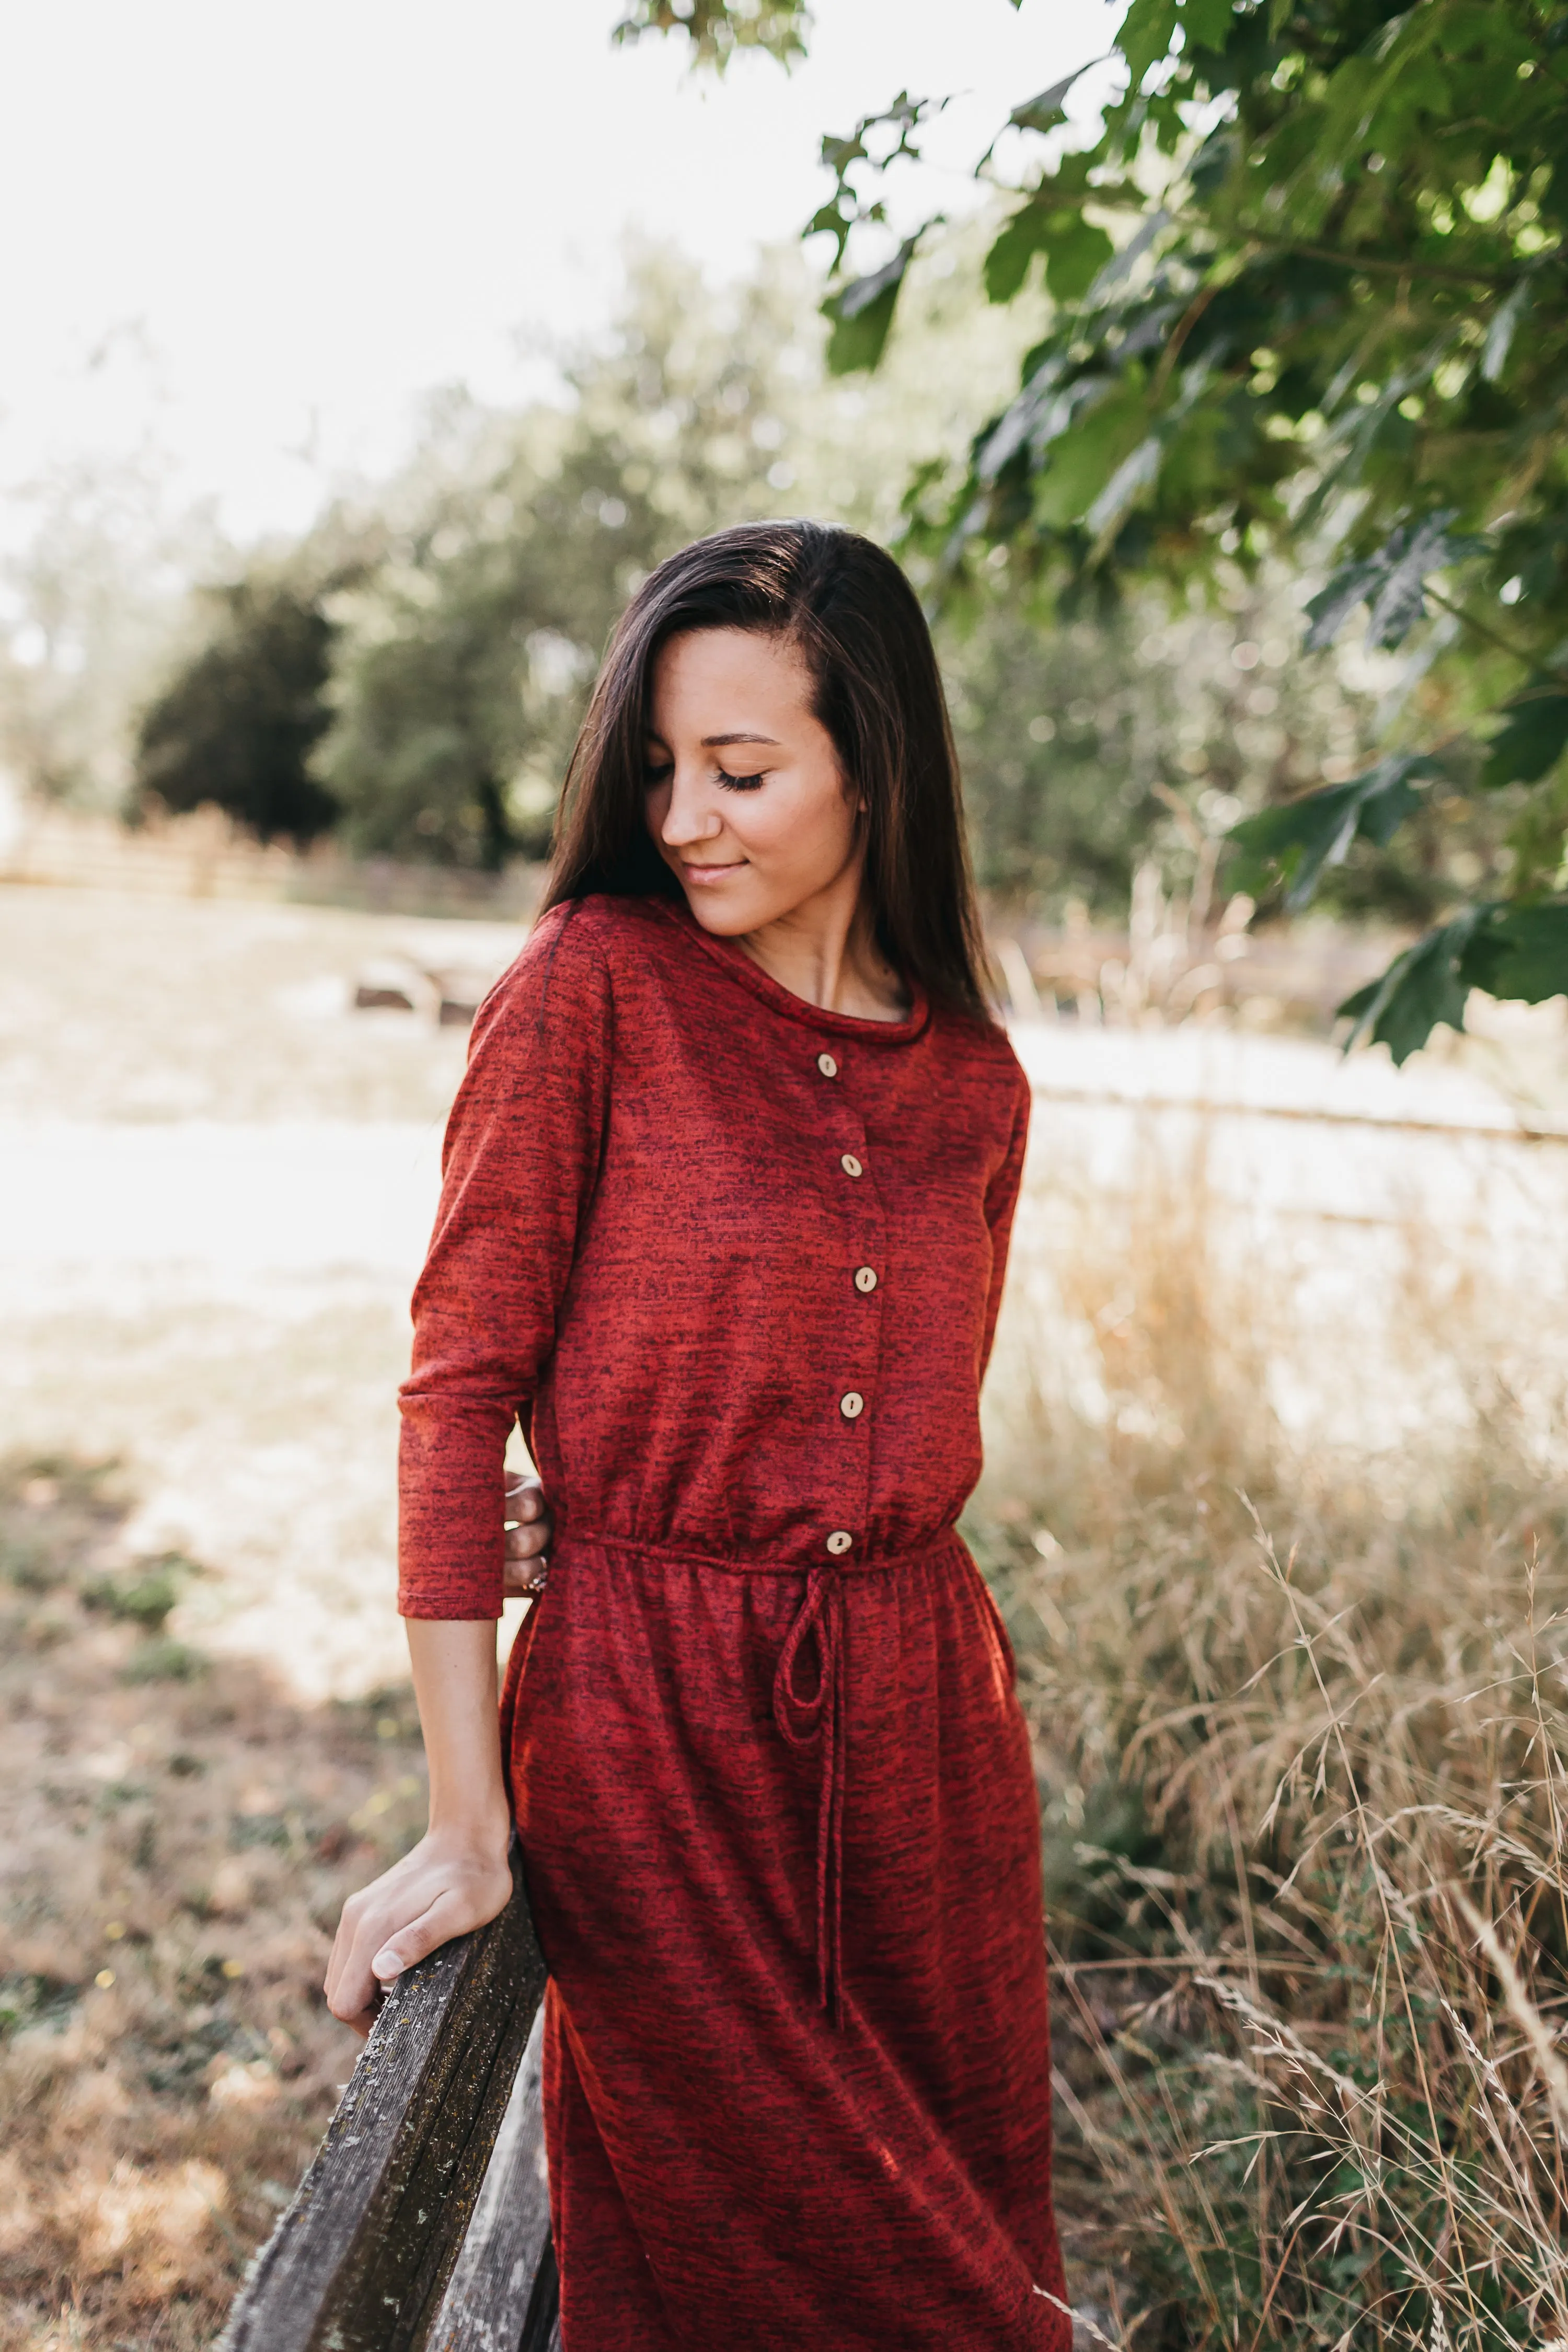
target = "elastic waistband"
x: 851, y: 1563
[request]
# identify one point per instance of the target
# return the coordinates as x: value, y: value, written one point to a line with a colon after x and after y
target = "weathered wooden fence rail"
x: 423, y: 2225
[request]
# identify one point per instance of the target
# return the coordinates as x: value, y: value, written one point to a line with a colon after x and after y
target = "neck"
x: 825, y: 950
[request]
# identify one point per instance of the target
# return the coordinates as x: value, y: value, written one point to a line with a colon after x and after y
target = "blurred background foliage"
x: 407, y: 677
x: 1306, y: 270
x: 1133, y: 671
x: 237, y: 724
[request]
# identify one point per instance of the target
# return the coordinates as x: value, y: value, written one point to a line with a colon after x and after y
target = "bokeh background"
x: 359, y: 362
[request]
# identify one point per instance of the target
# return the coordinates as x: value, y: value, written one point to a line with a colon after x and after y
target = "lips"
x: 703, y: 874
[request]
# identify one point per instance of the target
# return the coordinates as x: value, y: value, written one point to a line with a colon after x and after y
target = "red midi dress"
x: 736, y: 1262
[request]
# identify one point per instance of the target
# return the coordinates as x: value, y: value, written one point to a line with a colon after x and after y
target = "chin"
x: 724, y: 922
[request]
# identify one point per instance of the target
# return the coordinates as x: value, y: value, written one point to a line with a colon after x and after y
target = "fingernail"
x: 386, y: 1965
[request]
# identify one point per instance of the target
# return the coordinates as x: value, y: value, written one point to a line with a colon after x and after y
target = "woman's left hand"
x: 528, y: 1543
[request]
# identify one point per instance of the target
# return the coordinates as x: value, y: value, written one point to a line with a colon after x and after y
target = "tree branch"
x: 1494, y: 636
x: 1179, y: 333
x: 1375, y: 264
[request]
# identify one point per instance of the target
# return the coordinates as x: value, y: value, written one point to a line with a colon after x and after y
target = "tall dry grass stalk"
x: 1300, y: 1726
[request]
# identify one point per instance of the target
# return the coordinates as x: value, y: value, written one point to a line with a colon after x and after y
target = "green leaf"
x: 1530, y: 742
x: 1501, y: 332
x: 1420, y: 988
x: 1517, y: 953
x: 1392, y: 582
x: 830, y: 221
x: 1101, y: 423
x: 1043, y: 412
x: 1407, y: 557
x: 1296, y: 840
x: 1076, y: 253
x: 1007, y: 262
x: 862, y: 313
x: 1145, y: 36
x: 1521, y: 953
x: 1332, y: 607
x: 1207, y: 23
x: 1044, y: 112
x: 1133, y: 477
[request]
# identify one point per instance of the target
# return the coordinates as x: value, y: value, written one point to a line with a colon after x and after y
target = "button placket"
x: 856, y: 1400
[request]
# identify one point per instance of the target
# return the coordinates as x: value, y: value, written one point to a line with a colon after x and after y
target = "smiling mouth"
x: 711, y: 873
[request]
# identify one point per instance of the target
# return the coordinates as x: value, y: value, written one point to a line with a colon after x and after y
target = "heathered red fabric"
x: 775, y: 1795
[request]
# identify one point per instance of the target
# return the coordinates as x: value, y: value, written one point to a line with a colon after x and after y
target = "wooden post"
x: 361, y: 2260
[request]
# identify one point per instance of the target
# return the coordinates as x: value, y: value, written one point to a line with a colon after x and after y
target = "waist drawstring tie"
x: 817, y: 1718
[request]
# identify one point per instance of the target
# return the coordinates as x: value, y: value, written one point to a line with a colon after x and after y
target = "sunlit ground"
x: 216, y: 1181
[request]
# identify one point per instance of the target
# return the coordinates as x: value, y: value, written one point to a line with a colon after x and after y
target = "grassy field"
x: 178, y: 1834
x: 1297, y: 1703
x: 1299, y: 1722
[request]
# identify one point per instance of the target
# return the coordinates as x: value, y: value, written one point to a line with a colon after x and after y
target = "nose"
x: 690, y: 815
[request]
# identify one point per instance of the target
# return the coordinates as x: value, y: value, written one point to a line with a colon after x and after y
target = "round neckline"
x: 732, y: 958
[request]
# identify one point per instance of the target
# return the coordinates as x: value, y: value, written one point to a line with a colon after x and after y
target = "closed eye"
x: 743, y: 783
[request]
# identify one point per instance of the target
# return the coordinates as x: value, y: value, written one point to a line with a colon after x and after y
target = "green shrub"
x: 162, y: 1659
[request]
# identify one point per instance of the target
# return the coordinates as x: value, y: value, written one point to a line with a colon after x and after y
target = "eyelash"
x: 654, y: 777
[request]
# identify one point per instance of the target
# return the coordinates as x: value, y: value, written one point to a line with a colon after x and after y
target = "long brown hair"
x: 854, y: 617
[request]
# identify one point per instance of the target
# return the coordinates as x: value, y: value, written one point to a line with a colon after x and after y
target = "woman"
x: 728, y: 1191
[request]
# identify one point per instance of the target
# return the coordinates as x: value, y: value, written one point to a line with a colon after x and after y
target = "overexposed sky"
x: 254, y: 232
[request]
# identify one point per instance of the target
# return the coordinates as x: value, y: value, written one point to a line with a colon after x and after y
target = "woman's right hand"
x: 527, y: 1543
x: 444, y: 1885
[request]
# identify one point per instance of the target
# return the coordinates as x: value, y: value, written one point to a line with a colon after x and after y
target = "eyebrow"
x: 717, y: 742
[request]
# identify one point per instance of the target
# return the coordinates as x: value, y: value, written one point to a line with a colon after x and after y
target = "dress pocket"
x: 1001, y: 1639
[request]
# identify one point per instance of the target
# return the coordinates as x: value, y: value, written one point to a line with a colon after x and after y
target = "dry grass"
x: 177, y: 1839
x: 1302, y: 1753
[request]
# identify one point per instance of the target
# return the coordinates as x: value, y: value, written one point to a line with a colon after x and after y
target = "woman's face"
x: 745, y: 801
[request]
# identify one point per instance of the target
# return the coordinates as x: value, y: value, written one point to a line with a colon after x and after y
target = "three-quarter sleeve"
x: 1001, y: 1200
x: 519, y: 1167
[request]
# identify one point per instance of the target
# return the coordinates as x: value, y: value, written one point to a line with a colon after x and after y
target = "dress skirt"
x: 782, y: 1848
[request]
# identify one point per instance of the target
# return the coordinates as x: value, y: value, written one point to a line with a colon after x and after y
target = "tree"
x: 464, y: 659
x: 237, y: 725
x: 483, y: 578
x: 94, y: 559
x: 1309, y: 306
x: 716, y: 33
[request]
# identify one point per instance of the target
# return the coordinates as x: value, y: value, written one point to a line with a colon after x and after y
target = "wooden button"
x: 853, y: 1405
x: 838, y: 1542
x: 865, y: 1279
x: 827, y: 1066
x: 851, y: 1165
